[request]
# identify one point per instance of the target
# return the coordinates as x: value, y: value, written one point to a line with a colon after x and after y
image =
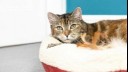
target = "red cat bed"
x: 70, y: 58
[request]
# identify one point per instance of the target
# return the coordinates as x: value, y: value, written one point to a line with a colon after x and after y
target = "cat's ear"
x: 77, y: 13
x: 52, y: 17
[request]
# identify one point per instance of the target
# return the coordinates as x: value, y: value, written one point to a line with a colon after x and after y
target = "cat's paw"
x: 82, y: 45
x: 94, y: 47
x: 52, y: 45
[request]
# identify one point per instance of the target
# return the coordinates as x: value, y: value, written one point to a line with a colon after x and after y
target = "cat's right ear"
x: 52, y: 17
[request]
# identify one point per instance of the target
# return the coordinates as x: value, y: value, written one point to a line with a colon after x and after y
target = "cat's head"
x: 67, y: 27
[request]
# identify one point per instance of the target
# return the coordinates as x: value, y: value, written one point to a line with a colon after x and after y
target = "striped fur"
x: 70, y: 28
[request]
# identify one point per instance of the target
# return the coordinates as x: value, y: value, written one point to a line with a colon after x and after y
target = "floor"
x: 21, y: 58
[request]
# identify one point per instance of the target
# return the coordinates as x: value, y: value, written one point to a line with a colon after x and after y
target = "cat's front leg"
x: 91, y: 46
x: 87, y: 44
x: 95, y: 39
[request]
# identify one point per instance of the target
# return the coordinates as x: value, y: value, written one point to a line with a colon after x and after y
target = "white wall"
x: 25, y: 21
x: 95, y: 18
x: 21, y: 21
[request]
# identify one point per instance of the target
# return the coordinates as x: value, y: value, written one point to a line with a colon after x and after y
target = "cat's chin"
x: 67, y: 41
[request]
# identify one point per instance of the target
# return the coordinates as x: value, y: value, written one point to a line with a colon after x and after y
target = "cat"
x: 71, y: 28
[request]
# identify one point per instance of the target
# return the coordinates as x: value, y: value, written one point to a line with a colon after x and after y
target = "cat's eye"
x: 73, y: 26
x: 59, y: 28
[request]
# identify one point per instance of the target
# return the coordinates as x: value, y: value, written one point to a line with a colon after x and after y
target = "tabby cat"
x: 70, y: 28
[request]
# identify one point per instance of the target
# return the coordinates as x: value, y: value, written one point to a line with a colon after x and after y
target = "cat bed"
x: 70, y: 58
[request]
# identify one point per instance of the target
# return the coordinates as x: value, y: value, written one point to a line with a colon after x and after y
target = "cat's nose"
x: 67, y: 33
x: 67, y: 36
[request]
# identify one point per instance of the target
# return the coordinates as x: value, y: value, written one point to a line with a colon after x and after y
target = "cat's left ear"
x: 77, y: 13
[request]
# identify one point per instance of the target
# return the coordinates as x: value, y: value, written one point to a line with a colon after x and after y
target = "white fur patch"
x: 70, y: 58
